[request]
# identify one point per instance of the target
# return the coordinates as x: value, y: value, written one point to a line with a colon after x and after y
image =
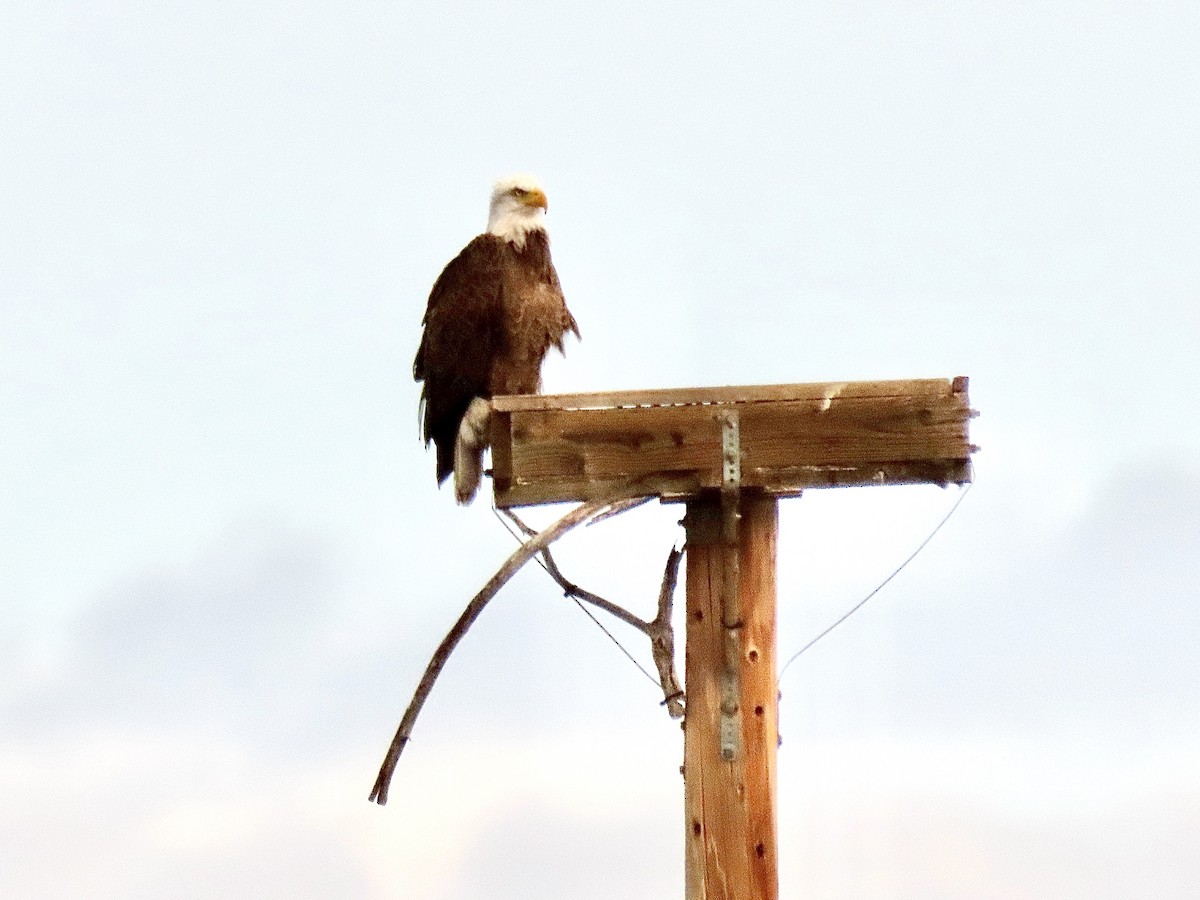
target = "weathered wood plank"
x: 725, y: 394
x: 616, y: 441
x: 501, y: 437
x: 777, y: 482
x: 836, y: 434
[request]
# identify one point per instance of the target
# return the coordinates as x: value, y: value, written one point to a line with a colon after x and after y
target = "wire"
x: 846, y: 615
x: 508, y: 526
x: 587, y: 612
x: 861, y: 603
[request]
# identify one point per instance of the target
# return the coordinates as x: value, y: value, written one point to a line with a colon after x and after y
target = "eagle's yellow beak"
x: 535, y: 197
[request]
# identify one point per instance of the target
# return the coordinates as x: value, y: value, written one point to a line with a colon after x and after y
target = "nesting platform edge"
x: 550, y: 448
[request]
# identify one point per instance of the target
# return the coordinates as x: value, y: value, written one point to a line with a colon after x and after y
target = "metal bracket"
x: 731, y: 512
x: 731, y: 617
x: 731, y: 474
x: 731, y: 449
x: 731, y: 730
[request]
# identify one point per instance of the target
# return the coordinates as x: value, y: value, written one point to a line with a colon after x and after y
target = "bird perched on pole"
x: 493, y: 314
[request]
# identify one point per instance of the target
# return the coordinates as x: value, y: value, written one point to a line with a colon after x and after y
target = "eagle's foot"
x: 468, y: 450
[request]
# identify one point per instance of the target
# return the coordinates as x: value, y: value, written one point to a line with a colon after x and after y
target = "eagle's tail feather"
x: 445, y: 459
x: 468, y: 450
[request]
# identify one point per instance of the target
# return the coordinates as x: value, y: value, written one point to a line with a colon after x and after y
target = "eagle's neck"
x: 514, y: 222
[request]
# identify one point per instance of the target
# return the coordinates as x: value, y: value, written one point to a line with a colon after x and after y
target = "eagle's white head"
x: 518, y: 207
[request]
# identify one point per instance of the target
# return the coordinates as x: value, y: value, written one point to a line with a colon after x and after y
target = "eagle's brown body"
x: 493, y: 314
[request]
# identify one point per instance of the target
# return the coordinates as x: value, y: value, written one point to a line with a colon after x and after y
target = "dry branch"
x: 659, y: 629
x: 582, y: 513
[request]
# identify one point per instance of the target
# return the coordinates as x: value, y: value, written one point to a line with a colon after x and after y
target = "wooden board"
x: 552, y: 448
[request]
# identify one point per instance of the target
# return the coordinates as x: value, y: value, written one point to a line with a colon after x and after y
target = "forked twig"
x: 659, y: 629
x: 582, y: 513
x: 662, y: 638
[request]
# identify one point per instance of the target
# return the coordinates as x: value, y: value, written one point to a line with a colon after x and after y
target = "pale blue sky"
x: 224, y: 562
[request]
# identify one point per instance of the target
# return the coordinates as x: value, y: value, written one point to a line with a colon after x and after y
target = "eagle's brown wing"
x: 461, y: 337
x: 568, y: 322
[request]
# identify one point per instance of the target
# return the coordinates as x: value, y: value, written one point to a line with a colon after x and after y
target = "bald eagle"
x: 493, y: 314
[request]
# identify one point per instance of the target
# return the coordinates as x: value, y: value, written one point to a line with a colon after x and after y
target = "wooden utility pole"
x: 729, y: 453
x: 731, y: 726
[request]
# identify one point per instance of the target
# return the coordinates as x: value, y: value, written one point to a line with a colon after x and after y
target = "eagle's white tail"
x: 468, y: 450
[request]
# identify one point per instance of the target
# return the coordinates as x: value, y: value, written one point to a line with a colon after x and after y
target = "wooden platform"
x: 672, y: 443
